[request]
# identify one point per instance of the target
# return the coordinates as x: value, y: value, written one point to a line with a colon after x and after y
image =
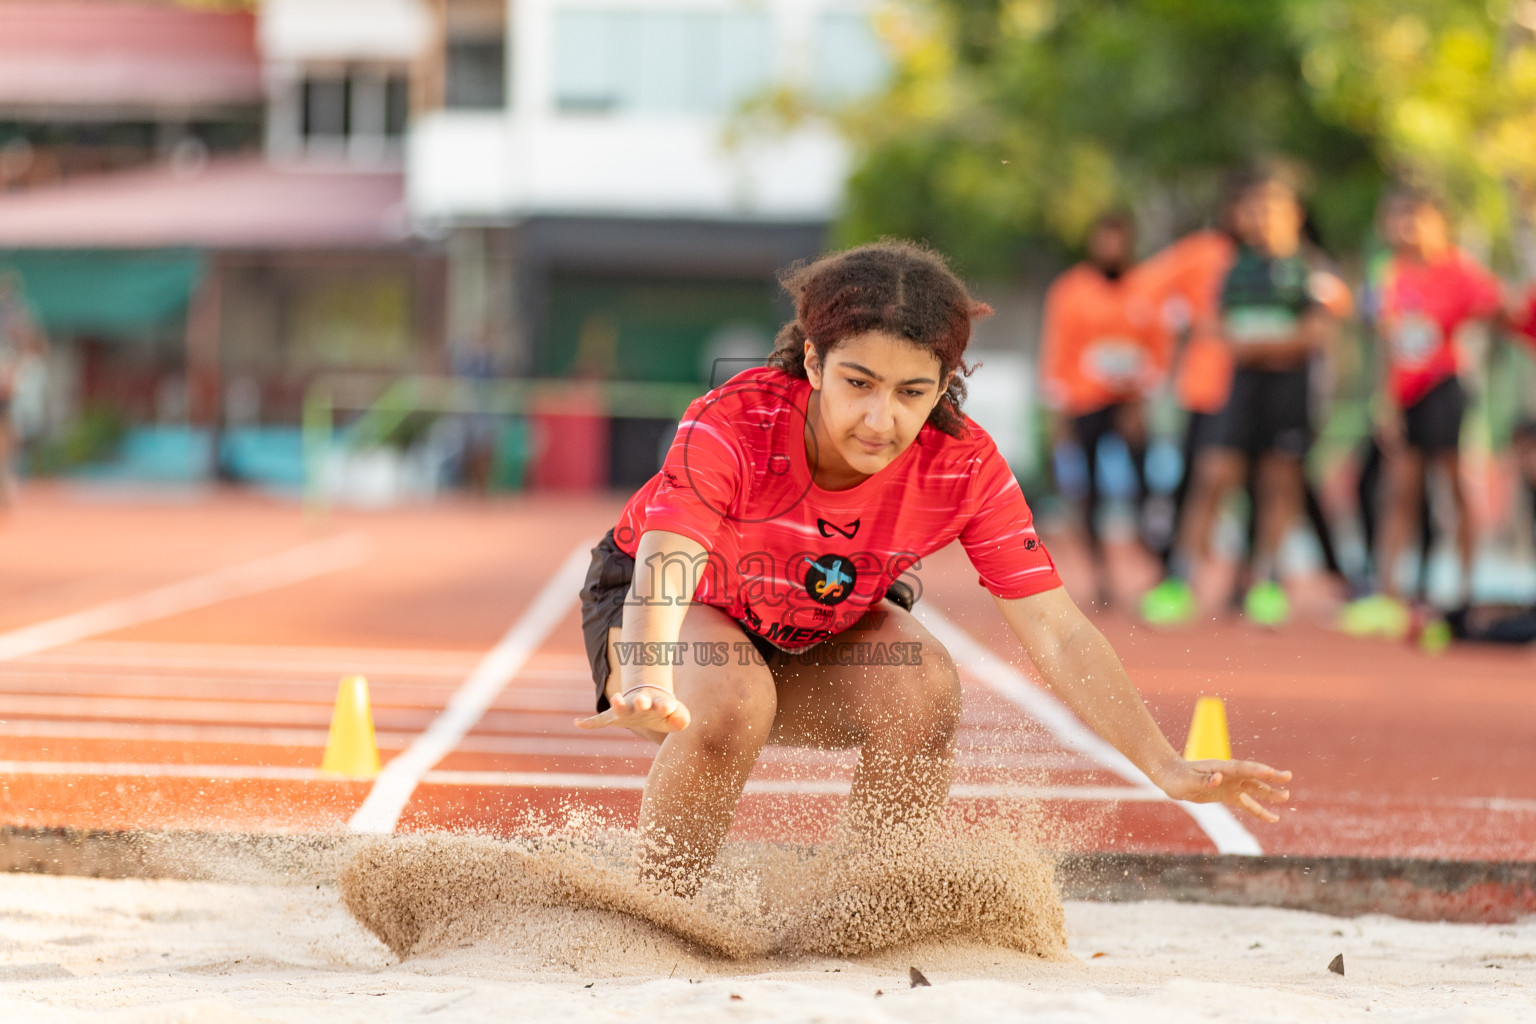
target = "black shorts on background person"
x: 1432, y: 425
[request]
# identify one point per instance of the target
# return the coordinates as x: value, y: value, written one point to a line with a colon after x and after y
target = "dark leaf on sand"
x: 918, y: 981
x: 1336, y: 965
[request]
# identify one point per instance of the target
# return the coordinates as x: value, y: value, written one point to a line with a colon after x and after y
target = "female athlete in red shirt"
x: 1429, y: 291
x: 758, y: 589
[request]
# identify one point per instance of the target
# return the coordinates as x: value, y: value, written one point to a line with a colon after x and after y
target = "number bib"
x: 1114, y: 362
x: 1415, y: 338
x: 1251, y: 324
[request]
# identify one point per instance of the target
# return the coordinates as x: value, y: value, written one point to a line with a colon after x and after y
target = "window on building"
x: 327, y: 105
x: 366, y: 105
x: 397, y: 105
x: 665, y: 62
x: 850, y: 61
x: 475, y: 75
x: 475, y: 54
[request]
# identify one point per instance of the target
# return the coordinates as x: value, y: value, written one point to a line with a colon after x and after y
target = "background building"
x: 545, y: 188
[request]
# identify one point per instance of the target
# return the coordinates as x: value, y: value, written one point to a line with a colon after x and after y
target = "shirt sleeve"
x: 1000, y: 536
x: 1053, y: 349
x: 701, y: 476
x: 1525, y: 319
x: 1484, y: 291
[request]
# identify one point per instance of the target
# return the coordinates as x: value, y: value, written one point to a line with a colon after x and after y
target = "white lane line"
x: 395, y: 784
x: 1214, y: 819
x: 792, y: 787
x: 231, y: 772
x: 45, y: 667
x: 537, y: 746
x: 291, y: 566
x: 585, y: 781
x: 547, y: 780
x: 383, y: 663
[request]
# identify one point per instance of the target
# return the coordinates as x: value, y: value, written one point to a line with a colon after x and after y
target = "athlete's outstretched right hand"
x: 650, y: 708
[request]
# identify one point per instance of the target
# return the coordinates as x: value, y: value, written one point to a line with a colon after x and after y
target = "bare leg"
x: 1216, y: 473
x: 1280, y: 490
x: 697, y: 777
x: 1466, y: 529
x: 7, y: 449
x: 1131, y: 423
x: 903, y: 716
x: 1405, y: 469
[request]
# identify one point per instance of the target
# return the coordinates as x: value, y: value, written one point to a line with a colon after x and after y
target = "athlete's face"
x: 1269, y: 218
x: 871, y: 398
x: 1419, y: 229
x: 1109, y: 247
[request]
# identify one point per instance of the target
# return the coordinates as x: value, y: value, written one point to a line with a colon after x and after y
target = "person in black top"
x: 1278, y: 312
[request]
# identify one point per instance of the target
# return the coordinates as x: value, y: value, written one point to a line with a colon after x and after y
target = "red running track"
x: 209, y: 709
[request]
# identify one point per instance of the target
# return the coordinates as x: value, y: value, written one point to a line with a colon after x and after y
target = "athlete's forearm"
x: 667, y: 567
x: 1081, y: 668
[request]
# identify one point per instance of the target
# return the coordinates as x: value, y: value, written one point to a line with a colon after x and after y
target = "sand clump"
x: 575, y: 898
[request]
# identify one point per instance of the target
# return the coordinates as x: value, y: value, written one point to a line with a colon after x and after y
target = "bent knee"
x: 929, y: 691
x: 730, y: 728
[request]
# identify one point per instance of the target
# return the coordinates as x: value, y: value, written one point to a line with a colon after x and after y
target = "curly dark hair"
x: 895, y: 287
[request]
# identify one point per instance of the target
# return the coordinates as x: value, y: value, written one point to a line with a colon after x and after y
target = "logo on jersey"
x: 828, y: 529
x: 829, y: 579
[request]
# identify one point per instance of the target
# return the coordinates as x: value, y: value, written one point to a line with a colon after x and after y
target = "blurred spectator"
x: 1278, y: 308
x: 1101, y: 354
x: 22, y: 349
x: 478, y: 365
x: 1430, y: 290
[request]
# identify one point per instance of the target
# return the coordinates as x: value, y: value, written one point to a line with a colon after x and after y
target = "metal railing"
x: 386, y: 404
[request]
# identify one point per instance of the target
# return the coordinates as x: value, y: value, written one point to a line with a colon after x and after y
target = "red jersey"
x: 1100, y: 343
x: 1422, y: 307
x: 796, y: 563
x: 1525, y: 318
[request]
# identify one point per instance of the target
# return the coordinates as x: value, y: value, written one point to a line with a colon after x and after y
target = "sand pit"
x: 75, y: 949
x: 421, y: 894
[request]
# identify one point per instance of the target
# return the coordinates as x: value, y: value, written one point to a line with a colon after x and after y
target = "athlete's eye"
x: 856, y: 382
x: 914, y: 393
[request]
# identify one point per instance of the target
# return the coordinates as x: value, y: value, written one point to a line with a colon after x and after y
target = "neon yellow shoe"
x: 1435, y: 637
x: 1170, y: 603
x: 1266, y: 604
x: 1377, y: 615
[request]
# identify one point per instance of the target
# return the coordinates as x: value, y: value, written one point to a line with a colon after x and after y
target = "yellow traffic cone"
x: 1208, y: 732
x: 351, y: 749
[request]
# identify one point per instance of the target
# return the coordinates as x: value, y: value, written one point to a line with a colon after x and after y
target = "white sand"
x: 86, y: 950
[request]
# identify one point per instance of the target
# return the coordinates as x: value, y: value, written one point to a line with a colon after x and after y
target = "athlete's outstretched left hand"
x: 1245, y: 784
x: 652, y: 710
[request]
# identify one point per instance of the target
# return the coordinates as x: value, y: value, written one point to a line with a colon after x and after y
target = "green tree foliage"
x: 1008, y: 121
x: 1445, y: 88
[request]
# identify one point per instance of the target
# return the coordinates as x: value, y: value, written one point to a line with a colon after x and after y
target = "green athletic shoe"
x: 1435, y: 637
x: 1377, y: 615
x: 1170, y: 603
x: 1266, y: 604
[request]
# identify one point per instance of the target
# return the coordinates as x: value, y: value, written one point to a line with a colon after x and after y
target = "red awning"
x: 113, y: 55
x: 229, y: 204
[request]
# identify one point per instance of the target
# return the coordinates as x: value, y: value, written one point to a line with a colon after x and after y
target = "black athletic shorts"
x: 1267, y: 411
x: 602, y: 609
x: 1091, y: 427
x: 1433, y: 423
